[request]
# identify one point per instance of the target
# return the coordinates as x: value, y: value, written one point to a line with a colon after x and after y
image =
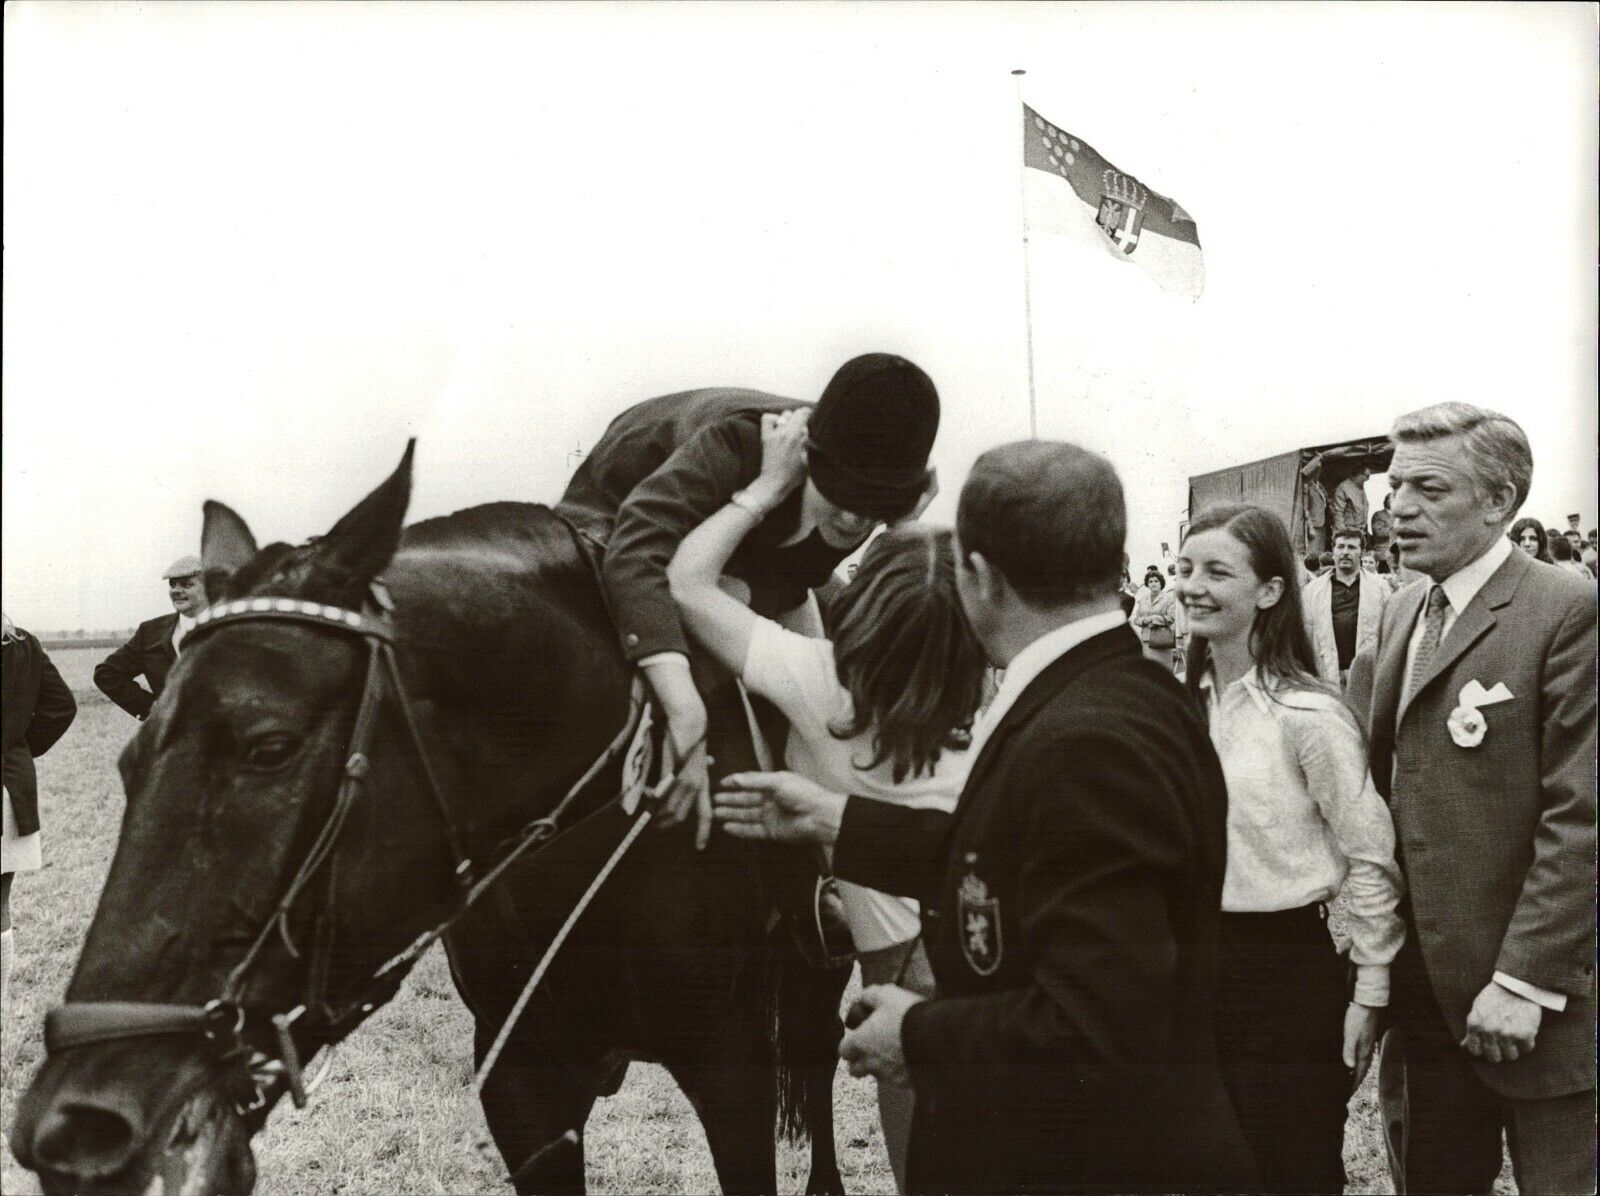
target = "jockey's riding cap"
x: 871, y: 434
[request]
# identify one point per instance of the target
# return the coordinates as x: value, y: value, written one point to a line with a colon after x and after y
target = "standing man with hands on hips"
x: 153, y: 649
x: 1071, y: 902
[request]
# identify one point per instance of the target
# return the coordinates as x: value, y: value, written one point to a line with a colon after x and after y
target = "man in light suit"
x: 153, y: 648
x: 1342, y: 608
x: 1479, y: 695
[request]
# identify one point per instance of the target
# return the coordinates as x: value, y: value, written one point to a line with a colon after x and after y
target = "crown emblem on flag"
x: 1121, y: 215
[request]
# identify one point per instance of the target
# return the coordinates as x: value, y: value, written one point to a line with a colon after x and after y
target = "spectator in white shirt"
x: 881, y: 709
x: 1305, y: 823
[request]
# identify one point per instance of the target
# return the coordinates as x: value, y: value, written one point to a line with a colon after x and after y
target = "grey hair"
x: 1497, y: 449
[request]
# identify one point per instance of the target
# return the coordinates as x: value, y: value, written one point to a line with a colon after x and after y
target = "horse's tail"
x: 806, y: 1033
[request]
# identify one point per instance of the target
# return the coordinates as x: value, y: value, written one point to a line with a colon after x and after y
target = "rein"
x: 221, y: 1022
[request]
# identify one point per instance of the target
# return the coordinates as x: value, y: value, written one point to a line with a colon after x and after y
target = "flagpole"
x: 1027, y: 290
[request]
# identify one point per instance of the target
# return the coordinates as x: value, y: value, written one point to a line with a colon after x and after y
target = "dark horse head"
x: 233, y: 783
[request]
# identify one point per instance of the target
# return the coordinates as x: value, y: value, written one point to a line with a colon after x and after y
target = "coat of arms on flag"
x: 1071, y: 189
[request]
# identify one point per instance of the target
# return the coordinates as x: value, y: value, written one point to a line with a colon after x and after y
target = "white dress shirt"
x: 1305, y: 820
x: 1460, y: 588
x: 184, y: 627
x: 1033, y: 660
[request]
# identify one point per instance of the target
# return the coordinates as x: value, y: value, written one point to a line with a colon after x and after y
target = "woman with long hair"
x: 1305, y: 824
x: 1529, y: 535
x: 879, y: 709
x: 36, y: 708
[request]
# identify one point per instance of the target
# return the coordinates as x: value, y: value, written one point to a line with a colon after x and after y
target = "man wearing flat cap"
x: 667, y: 464
x: 154, y: 647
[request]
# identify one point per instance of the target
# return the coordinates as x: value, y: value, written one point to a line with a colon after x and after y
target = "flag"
x: 1068, y: 188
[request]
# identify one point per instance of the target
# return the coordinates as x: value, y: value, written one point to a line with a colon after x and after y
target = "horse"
x: 294, y: 821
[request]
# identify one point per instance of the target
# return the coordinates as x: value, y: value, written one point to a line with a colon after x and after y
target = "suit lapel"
x: 1367, y: 610
x: 1470, y: 625
x: 1389, y: 672
x: 1092, y: 651
x: 168, y: 625
x: 1319, y: 598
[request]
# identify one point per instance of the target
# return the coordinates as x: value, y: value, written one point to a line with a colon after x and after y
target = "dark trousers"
x: 1280, y: 1037
x: 1453, y: 1141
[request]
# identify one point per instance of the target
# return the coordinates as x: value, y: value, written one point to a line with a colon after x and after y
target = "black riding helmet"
x: 870, y: 436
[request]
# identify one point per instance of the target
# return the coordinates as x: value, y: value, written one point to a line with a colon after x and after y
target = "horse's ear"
x: 226, y: 544
x: 362, y: 543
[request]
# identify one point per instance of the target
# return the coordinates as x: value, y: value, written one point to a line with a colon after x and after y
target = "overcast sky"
x: 249, y: 249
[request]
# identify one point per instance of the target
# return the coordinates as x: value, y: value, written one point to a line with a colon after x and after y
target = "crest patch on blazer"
x: 980, y: 924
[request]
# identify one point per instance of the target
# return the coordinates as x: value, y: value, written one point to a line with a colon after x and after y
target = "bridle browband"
x: 221, y: 1022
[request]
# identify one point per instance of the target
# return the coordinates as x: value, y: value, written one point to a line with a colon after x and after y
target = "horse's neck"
x: 522, y: 672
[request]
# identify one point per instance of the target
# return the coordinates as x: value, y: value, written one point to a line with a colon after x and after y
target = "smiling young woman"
x: 1304, y: 824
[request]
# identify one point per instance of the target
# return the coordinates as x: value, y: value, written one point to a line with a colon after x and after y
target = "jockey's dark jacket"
x: 662, y: 468
x: 1070, y: 911
x: 149, y: 654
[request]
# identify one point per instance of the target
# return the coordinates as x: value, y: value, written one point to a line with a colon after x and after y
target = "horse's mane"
x: 509, y: 538
x: 540, y: 541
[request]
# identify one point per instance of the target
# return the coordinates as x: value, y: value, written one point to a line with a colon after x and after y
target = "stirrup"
x: 825, y: 940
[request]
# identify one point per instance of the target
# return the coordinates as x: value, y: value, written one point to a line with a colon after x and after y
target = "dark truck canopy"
x: 1279, y: 483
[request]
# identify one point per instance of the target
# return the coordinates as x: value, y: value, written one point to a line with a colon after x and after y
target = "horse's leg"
x: 537, y: 1097
x: 730, y: 1077
x: 809, y: 1031
x: 536, y: 1112
x: 822, y: 1032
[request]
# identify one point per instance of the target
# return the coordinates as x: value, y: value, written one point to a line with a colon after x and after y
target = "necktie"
x: 1432, y: 633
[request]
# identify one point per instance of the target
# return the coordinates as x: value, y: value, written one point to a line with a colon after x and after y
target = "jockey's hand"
x: 783, y: 456
x: 691, y: 789
x: 778, y: 807
x: 673, y: 685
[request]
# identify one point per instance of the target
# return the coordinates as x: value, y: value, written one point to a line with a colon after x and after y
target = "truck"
x: 1298, y: 485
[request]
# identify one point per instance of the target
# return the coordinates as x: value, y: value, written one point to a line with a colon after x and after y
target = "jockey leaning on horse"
x: 667, y: 464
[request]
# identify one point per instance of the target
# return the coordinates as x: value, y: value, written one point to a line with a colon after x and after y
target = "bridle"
x: 222, y: 1022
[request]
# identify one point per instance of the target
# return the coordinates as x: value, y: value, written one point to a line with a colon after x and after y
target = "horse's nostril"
x: 85, y: 1140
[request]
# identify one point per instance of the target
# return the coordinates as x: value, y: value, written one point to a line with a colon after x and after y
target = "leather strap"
x: 83, y: 1022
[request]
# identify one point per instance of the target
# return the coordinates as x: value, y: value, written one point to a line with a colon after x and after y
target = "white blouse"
x: 796, y: 674
x: 1304, y: 818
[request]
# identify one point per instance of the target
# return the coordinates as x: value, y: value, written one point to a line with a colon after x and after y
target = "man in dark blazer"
x: 666, y: 465
x: 1479, y: 697
x: 153, y: 649
x: 1070, y: 905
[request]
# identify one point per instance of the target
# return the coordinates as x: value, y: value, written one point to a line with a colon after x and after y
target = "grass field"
x: 397, y: 1113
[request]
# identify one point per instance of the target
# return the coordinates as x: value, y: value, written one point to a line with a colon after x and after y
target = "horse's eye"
x: 268, y: 753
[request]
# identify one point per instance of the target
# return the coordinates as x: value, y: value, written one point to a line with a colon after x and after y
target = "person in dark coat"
x: 666, y: 465
x: 1071, y: 903
x: 36, y: 708
x: 153, y: 649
